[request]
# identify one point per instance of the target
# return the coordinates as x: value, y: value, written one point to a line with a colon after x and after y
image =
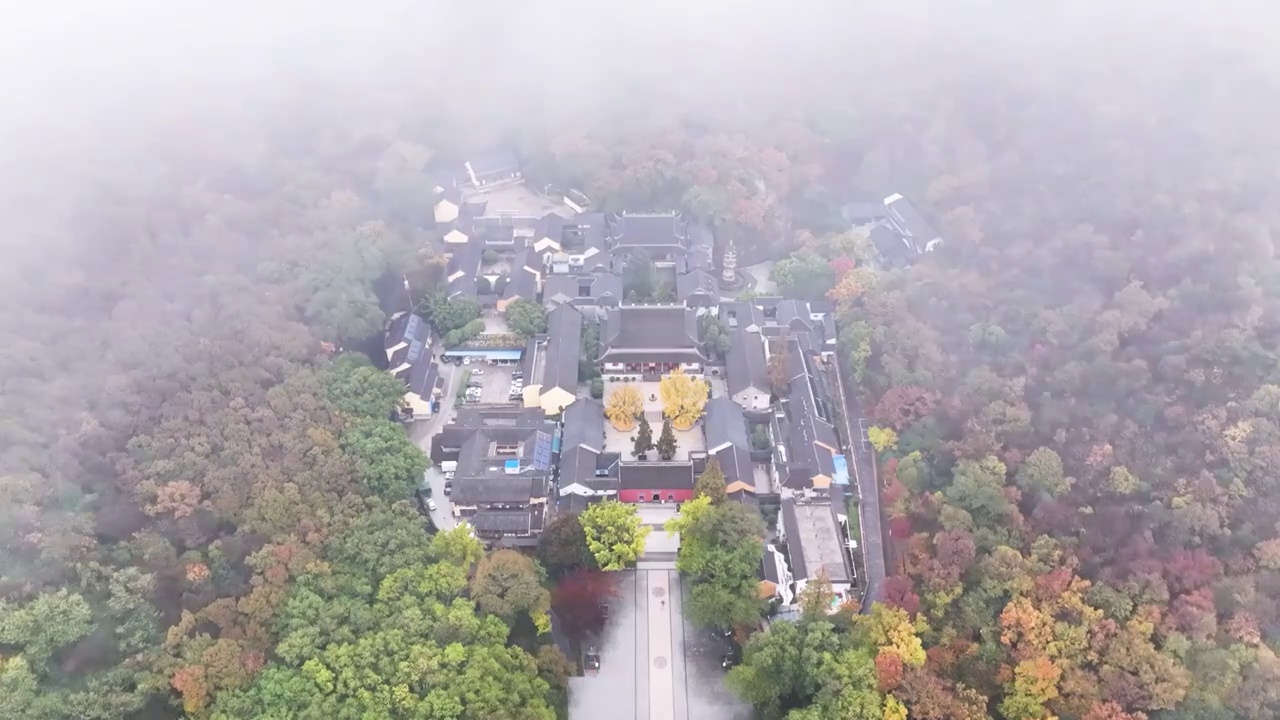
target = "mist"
x: 1067, y: 407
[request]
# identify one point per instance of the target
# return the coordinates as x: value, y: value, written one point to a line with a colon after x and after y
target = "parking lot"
x: 494, y: 381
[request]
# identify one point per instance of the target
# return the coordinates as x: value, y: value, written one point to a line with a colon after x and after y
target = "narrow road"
x: 421, y: 433
x: 865, y: 476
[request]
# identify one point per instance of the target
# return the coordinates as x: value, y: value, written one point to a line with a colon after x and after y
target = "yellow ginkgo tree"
x: 683, y: 399
x: 623, y: 406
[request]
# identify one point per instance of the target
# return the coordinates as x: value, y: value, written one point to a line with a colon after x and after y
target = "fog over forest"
x: 206, y: 513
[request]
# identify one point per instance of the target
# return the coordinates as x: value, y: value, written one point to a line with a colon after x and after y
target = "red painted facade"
x: 659, y: 495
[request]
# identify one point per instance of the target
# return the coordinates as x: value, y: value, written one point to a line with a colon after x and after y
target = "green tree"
x: 381, y: 629
x: 448, y: 314
x: 562, y: 546
x: 816, y: 597
x: 614, y: 533
x: 360, y: 390
x: 597, y: 388
x: 644, y: 438
x: 710, y: 483
x: 464, y: 334
x: 760, y: 437
x: 639, y: 277
x: 526, y: 318
x: 803, y: 275
x: 389, y: 464
x: 782, y: 670
x: 1042, y: 472
x: 714, y: 335
x: 666, y: 445
x: 721, y: 547
x: 588, y: 365
x: 46, y: 624
x: 978, y: 487
x: 507, y: 584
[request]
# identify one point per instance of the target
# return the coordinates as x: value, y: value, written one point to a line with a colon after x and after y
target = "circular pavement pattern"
x: 659, y: 591
x: 660, y: 662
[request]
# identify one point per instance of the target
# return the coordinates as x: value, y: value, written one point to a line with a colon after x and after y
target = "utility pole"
x: 408, y: 292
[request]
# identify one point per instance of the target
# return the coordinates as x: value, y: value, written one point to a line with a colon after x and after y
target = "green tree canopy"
x: 562, y: 547
x: 710, y: 483
x: 721, y: 547
x: 389, y: 464
x: 614, y: 533
x: 525, y: 317
x: 360, y: 390
x: 507, y: 583
x: 666, y: 445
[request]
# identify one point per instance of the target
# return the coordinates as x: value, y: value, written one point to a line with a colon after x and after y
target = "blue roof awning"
x: 490, y: 354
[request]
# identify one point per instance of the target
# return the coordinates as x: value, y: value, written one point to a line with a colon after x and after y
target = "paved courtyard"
x: 654, y: 665
x: 521, y: 201
x: 692, y: 440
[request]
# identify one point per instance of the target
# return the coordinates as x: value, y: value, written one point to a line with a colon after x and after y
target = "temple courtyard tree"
x: 683, y: 399
x: 614, y: 533
x: 623, y: 406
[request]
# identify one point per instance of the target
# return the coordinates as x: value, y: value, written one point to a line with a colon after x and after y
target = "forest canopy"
x: 1076, y: 397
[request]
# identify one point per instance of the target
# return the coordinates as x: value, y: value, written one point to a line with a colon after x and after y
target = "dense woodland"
x: 202, y: 506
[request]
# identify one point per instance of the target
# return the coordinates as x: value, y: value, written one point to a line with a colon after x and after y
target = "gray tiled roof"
x: 698, y: 283
x: 561, y: 289
x: 502, y: 521
x: 464, y: 268
x: 422, y: 378
x: 564, y: 346
x: 513, y: 490
x: 745, y: 362
x: 860, y: 213
x: 892, y: 246
x: 735, y: 463
x: 584, y: 425
x: 649, y: 328
x: 738, y: 314
x: 523, y: 281
x: 656, y: 476
x: 794, y: 314
x: 809, y: 413
x: 550, y: 226
x: 724, y: 423
x: 910, y: 222
x: 406, y: 328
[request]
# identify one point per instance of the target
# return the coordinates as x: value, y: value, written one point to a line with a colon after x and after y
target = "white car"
x: 477, y: 371
x: 431, y: 505
x: 466, y: 361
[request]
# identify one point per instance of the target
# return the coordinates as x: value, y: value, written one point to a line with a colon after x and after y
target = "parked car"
x: 728, y: 661
x: 592, y: 661
x: 604, y: 611
x: 431, y: 505
x: 466, y: 361
x: 448, y: 476
x: 448, y: 487
x: 478, y: 371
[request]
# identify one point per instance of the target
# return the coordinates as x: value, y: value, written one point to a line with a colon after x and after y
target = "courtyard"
x: 691, y: 440
x: 520, y: 201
